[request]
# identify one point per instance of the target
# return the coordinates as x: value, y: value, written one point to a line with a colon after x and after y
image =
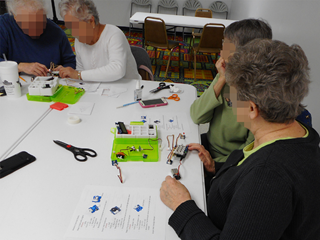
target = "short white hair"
x: 81, y: 9
x: 13, y: 5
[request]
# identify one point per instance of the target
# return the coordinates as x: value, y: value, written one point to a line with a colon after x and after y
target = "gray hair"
x: 271, y: 74
x: 242, y: 32
x: 13, y: 5
x: 81, y: 9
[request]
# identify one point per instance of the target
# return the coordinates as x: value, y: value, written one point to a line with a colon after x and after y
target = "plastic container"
x: 144, y: 137
x: 43, y: 86
x: 10, y: 78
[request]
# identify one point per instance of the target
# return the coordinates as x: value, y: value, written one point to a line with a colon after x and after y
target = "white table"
x: 38, y: 201
x: 179, y: 20
x: 18, y: 117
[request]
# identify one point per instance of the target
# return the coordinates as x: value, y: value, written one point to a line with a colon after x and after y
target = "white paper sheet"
x: 148, y: 223
x: 169, y: 122
x: 113, y: 91
x: 81, y: 108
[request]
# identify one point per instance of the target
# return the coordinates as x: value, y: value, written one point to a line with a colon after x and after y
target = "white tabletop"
x: 179, y: 20
x: 18, y: 117
x: 38, y: 201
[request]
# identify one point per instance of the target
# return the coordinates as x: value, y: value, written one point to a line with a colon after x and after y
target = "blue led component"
x: 115, y: 210
x: 93, y: 208
x: 119, y: 130
x: 138, y: 208
x: 96, y: 199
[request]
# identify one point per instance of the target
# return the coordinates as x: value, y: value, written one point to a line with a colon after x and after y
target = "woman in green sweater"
x: 270, y: 189
x: 214, y: 107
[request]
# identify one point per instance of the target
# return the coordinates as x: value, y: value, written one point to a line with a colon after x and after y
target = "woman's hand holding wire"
x: 173, y: 193
x: 204, y: 156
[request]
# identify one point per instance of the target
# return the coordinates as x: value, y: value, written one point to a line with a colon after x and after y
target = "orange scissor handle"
x: 174, y: 97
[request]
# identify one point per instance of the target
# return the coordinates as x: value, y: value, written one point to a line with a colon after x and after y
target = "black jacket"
x: 274, y: 194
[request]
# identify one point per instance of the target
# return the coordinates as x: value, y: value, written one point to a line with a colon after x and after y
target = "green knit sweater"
x: 225, y: 133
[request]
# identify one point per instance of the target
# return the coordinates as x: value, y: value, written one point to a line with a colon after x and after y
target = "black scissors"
x: 79, y: 153
x: 161, y: 86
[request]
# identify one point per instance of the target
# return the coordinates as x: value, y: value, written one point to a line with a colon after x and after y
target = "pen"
x: 22, y: 79
x: 127, y: 104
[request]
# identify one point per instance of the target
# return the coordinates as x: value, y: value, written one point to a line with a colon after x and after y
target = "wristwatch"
x: 79, y: 75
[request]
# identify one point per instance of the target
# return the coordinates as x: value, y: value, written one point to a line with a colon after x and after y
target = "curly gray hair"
x: 271, y: 74
x: 13, y: 5
x: 81, y: 9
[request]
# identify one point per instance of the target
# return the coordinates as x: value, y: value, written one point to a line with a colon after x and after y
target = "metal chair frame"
x: 143, y: 3
x: 210, y: 41
x: 156, y: 37
x: 200, y: 12
x: 219, y: 7
x: 169, y: 4
x: 190, y: 5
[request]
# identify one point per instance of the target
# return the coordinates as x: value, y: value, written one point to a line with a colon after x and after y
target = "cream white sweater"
x: 109, y: 59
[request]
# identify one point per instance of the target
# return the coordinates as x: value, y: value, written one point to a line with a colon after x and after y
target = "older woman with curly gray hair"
x: 270, y: 189
x: 102, y: 50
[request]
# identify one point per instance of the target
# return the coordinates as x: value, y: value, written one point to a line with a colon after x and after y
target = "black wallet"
x: 15, y: 162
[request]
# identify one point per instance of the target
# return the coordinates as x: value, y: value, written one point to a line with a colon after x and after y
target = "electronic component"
x: 122, y: 128
x: 175, y: 173
x: 115, y: 210
x: 96, y: 199
x: 93, y: 208
x: 183, y: 136
x: 144, y: 155
x: 115, y: 163
x: 169, y: 161
x: 44, y: 86
x: 133, y: 148
x: 15, y: 162
x: 181, y: 151
x: 153, y: 102
x: 120, y: 155
x: 138, y: 208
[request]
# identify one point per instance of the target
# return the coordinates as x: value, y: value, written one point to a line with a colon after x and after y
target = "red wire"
x: 179, y: 166
x: 119, y: 176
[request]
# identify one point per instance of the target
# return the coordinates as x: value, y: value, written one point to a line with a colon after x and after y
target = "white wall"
x: 117, y: 12
x: 292, y: 21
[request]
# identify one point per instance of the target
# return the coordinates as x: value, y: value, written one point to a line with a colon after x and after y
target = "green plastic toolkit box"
x: 144, y: 137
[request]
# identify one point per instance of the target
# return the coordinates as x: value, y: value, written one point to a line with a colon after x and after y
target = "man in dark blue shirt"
x: 33, y: 41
